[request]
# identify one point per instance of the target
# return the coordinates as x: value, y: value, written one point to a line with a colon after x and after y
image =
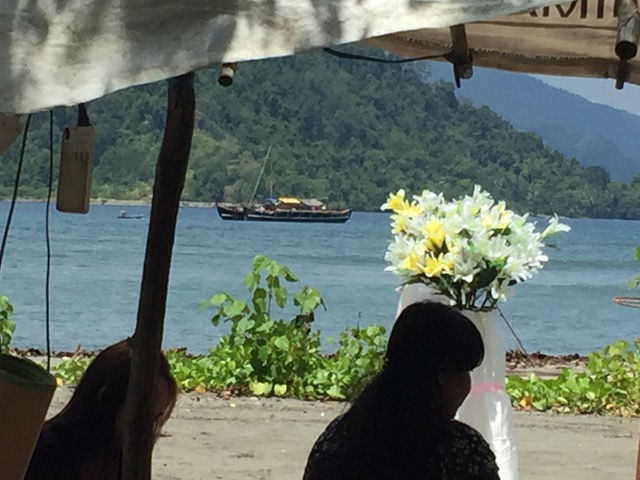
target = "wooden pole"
x: 171, y: 170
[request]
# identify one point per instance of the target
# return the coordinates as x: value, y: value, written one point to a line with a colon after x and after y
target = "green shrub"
x: 610, y: 383
x: 7, y: 326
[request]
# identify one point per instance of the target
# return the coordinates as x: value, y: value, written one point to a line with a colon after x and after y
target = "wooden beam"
x: 146, y: 343
x: 460, y: 56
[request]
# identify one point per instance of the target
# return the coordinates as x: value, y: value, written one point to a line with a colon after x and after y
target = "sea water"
x: 97, y: 267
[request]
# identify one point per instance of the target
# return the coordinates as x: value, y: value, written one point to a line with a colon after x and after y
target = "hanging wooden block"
x: 74, y: 180
x: 10, y: 127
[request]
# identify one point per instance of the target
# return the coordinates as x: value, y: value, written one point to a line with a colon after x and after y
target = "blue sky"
x: 599, y: 91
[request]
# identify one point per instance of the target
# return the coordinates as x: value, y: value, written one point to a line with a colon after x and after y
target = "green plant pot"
x: 26, y: 390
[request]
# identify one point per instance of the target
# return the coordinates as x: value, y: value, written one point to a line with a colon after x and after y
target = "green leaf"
x: 216, y: 319
x: 218, y: 299
x: 280, y: 389
x: 260, y: 300
x: 236, y: 308
x: 263, y: 353
x: 335, y: 393
x: 274, y: 268
x: 282, y: 343
x: 484, y: 278
x: 260, y: 388
x: 251, y: 280
x: 281, y: 295
x: 242, y: 325
x: 288, y: 275
x: 260, y: 262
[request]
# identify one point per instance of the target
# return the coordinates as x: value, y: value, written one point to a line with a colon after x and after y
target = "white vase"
x: 487, y: 408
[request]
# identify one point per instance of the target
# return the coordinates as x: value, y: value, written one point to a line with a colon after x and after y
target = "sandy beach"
x: 269, y: 439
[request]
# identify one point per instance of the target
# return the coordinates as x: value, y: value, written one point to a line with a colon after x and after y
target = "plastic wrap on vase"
x: 487, y: 408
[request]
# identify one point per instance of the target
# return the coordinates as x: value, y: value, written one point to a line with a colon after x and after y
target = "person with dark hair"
x: 85, y: 440
x: 401, y: 426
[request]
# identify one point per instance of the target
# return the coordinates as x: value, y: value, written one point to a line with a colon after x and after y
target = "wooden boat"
x: 284, y: 209
x: 124, y: 215
x: 230, y: 211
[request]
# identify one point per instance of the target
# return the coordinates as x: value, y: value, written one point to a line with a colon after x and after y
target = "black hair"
x: 398, y: 418
x: 82, y: 441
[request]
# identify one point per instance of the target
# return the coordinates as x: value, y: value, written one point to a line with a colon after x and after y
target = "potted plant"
x: 26, y: 390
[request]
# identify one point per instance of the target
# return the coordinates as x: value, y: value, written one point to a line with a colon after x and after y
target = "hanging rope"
x: 353, y: 56
x: 513, y: 332
x: 16, y: 184
x: 47, y: 238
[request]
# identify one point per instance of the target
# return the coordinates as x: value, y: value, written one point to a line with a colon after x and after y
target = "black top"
x: 67, y: 452
x: 464, y: 455
x: 49, y: 457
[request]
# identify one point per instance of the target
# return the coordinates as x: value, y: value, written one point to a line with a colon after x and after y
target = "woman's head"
x: 431, y: 342
x: 405, y: 409
x: 84, y: 441
x: 434, y: 343
x: 429, y: 339
x: 98, y: 401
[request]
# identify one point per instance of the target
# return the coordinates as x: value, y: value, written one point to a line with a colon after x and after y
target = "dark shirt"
x: 67, y: 453
x: 49, y: 460
x: 465, y: 455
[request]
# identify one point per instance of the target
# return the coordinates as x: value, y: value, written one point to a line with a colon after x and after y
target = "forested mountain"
x: 341, y: 130
x: 592, y: 133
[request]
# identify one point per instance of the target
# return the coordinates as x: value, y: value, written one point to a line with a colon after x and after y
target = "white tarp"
x: 63, y: 52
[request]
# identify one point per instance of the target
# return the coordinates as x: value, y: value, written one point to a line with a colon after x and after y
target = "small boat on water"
x: 284, y: 209
x: 123, y: 214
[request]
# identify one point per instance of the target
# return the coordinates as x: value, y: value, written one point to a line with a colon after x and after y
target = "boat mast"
x: 271, y: 179
x: 264, y: 164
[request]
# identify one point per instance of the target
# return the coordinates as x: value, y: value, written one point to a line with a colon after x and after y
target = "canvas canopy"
x: 312, y: 202
x: 289, y: 200
x: 577, y: 38
x: 64, y: 52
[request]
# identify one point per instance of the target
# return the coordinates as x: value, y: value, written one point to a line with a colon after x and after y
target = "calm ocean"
x: 97, y: 266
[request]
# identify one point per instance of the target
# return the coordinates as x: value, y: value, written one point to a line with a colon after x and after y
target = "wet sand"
x: 269, y: 439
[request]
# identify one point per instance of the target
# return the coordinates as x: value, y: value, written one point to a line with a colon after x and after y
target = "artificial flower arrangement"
x: 470, y: 250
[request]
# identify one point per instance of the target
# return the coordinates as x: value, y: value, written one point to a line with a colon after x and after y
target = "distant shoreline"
x: 119, y: 202
x: 196, y: 204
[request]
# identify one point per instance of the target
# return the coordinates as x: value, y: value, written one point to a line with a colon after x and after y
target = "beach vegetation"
x: 609, y: 384
x: 266, y: 353
x: 7, y: 326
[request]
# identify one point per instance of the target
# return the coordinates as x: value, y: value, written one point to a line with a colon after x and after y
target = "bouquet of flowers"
x: 470, y: 250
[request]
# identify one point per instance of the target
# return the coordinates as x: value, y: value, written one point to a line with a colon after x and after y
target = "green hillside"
x: 345, y: 131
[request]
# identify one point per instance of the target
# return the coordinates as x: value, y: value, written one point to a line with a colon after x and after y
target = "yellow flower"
x: 396, y: 201
x: 399, y: 224
x: 505, y: 221
x: 487, y: 221
x: 434, y: 234
x: 435, y: 266
x: 412, y: 210
x: 411, y: 263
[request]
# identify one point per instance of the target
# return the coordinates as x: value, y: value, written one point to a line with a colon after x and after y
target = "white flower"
x: 448, y: 244
x: 554, y: 227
